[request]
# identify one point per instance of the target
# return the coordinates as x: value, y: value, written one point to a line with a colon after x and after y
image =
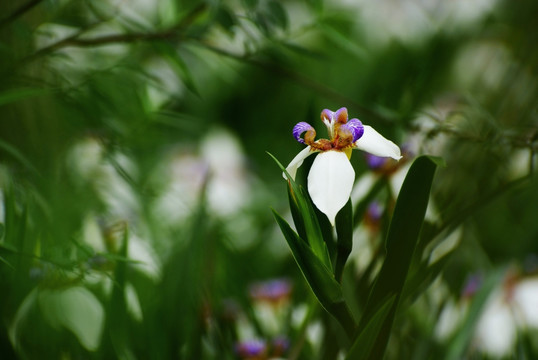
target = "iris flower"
x: 331, y: 176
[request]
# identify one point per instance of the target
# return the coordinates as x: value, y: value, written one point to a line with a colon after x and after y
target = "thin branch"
x: 74, y: 40
x: 19, y: 12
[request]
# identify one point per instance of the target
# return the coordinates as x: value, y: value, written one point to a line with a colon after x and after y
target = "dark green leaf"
x: 401, y: 242
x: 170, y: 53
x: 225, y: 18
x: 422, y: 277
x: 15, y: 153
x: 344, y: 242
x: 314, y: 235
x: 18, y: 94
x: 320, y: 278
x: 364, y: 342
x: 278, y: 14
x: 296, y: 215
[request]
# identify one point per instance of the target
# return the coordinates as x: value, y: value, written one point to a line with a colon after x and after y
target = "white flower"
x: 331, y: 176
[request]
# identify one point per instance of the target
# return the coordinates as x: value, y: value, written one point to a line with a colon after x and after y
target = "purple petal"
x: 355, y: 127
x: 327, y: 114
x: 299, y: 129
x: 340, y: 115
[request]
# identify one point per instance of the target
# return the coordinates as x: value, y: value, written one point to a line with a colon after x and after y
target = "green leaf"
x: 422, y: 277
x: 314, y: 236
x: 170, y: 53
x: 15, y: 153
x: 401, y: 241
x: 363, y: 343
x: 344, y: 242
x: 22, y: 317
x: 225, y: 18
x: 278, y: 14
x: 320, y: 278
x: 117, y: 307
x: 18, y: 94
x: 296, y: 215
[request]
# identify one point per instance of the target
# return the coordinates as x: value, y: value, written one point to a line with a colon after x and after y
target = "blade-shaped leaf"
x: 344, y: 242
x: 401, y: 242
x: 364, y: 342
x: 296, y: 215
x: 305, y: 208
x: 320, y: 278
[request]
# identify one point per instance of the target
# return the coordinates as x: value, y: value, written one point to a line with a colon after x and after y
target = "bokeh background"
x: 136, y: 188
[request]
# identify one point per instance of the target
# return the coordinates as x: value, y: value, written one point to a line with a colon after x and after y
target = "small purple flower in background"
x: 372, y: 218
x: 279, y: 346
x: 252, y: 350
x: 331, y: 176
x: 385, y: 165
x: 375, y: 162
x: 273, y: 291
x: 472, y: 285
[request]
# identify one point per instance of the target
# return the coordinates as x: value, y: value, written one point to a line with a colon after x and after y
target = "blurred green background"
x: 136, y: 188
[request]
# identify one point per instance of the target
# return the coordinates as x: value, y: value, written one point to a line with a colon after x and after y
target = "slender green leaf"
x: 15, y: 153
x: 225, y: 18
x: 314, y: 236
x: 170, y: 53
x: 422, y: 277
x: 116, y: 317
x: 344, y: 242
x: 277, y: 14
x: 320, y: 278
x: 400, y: 244
x: 18, y: 94
x: 364, y: 342
x: 296, y: 215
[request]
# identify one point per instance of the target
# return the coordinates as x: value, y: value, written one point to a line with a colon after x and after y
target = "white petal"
x: 330, y: 182
x: 374, y: 143
x: 496, y: 330
x: 526, y: 302
x: 298, y: 161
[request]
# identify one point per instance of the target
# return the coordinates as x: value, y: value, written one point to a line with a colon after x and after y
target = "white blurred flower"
x: 408, y: 21
x: 90, y: 165
x: 221, y: 163
x: 511, y: 308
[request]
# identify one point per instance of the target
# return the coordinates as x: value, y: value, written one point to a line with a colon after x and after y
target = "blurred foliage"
x: 135, y: 188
